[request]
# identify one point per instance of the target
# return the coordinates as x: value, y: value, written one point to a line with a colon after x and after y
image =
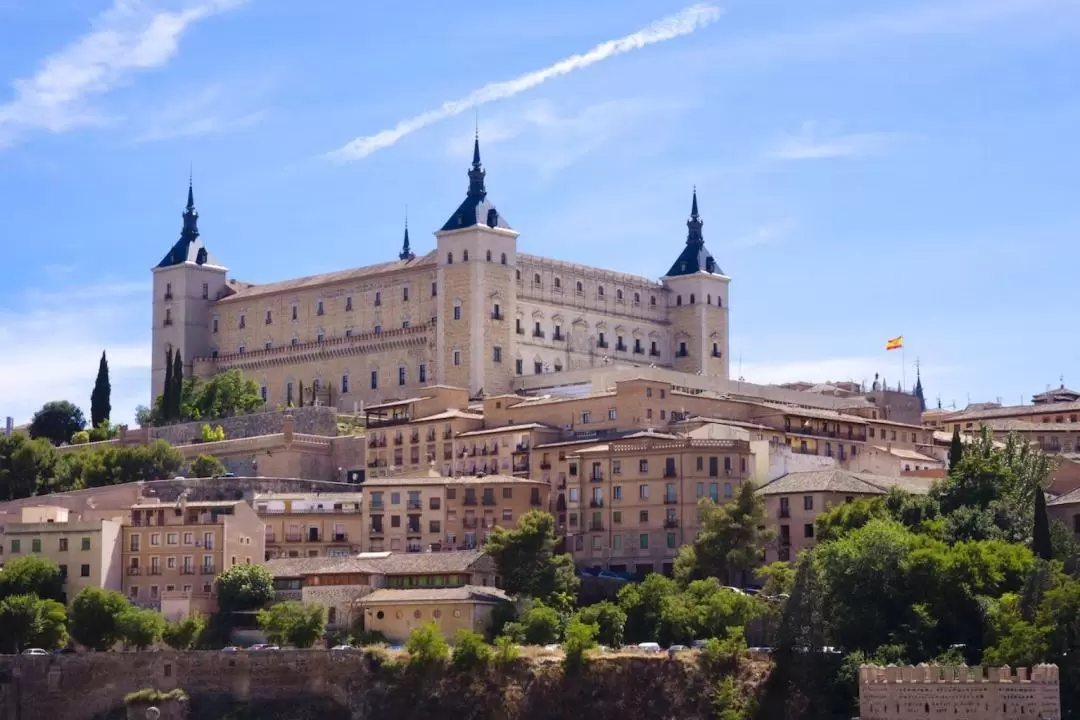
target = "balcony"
x: 470, y: 523
x: 545, y: 465
x: 415, y: 505
x: 602, y: 344
x: 447, y: 434
x: 377, y: 443
x: 538, y: 334
x: 596, y: 476
x: 619, y: 347
x: 521, y: 448
x: 519, y: 330
x: 134, y: 571
x: 596, y: 503
x: 535, y: 501
x: 430, y: 437
x: 376, y: 530
x: 638, y: 350
x: 187, y: 571
x: 375, y: 507
x: 317, y: 537
x: 670, y: 473
x: 399, y: 441
x: 413, y: 530
x: 293, y: 537
x: 670, y: 523
x: 671, y: 500
x: 817, y: 432
x: 596, y: 526
x: 414, y: 438
x: 784, y: 513
x: 207, y: 570
x: 489, y: 501
x: 154, y: 571
x: 558, y: 336
x: 716, y: 353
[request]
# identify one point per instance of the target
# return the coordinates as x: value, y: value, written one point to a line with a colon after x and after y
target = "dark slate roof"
x: 189, y: 248
x: 476, y: 209
x: 695, y: 257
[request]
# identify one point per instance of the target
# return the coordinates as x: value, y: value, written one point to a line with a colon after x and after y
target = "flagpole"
x: 903, y: 366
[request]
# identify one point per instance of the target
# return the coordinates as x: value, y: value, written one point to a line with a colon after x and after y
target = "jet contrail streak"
x: 681, y: 23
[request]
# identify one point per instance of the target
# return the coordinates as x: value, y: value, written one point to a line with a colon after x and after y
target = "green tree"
x: 776, y: 578
x: 93, y: 617
x: 1041, y: 543
x: 609, y: 619
x: 244, y: 587
x: 644, y: 606
x: 27, y: 466
x: 31, y: 575
x: 956, y: 449
x: 184, y: 634
x: 57, y: 421
x: 527, y: 562
x: 27, y: 621
x: 427, y: 646
x: 100, y: 398
x: 177, y: 394
x: 80, y: 438
x: 580, y: 638
x: 541, y: 625
x: 470, y: 651
x: 206, y: 466
x: 731, y: 540
x: 139, y: 628
x: 144, y: 416
x: 293, y: 623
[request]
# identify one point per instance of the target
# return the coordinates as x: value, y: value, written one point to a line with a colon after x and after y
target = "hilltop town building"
x: 471, y: 313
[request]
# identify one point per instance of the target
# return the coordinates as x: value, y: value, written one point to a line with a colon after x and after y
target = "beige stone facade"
x: 975, y: 693
x: 176, y: 550
x: 397, y: 613
x: 311, y: 525
x: 471, y: 312
x: 87, y: 551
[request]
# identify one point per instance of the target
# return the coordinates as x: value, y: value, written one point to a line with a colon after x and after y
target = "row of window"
x: 172, y: 538
x: 579, y: 290
x: 61, y: 544
x: 503, y: 260
x: 670, y: 495
x: 155, y: 594
x: 320, y: 307
x: 205, y: 291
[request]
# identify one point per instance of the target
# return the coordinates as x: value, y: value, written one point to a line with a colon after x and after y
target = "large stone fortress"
x: 472, y: 313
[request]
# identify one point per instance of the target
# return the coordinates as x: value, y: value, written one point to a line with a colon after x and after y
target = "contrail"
x: 681, y: 23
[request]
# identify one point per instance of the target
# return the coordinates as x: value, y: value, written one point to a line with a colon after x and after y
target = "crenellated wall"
x: 925, y: 691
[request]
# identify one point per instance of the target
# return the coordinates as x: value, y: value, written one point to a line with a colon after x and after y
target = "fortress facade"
x: 472, y: 313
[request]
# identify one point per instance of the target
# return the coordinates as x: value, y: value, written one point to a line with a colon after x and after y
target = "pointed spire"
x: 406, y: 252
x: 694, y: 224
x: 476, y: 173
x: 191, y: 217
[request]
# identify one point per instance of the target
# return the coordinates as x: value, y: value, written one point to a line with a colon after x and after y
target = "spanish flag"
x: 895, y: 344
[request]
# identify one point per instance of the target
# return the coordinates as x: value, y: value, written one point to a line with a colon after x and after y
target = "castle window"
x: 496, y: 354
x: 214, y: 353
x: 579, y: 288
x: 691, y: 298
x: 558, y: 284
x: 205, y: 291
x: 538, y: 368
x: 243, y: 322
x: 374, y: 379
x: 464, y: 256
x: 421, y: 373
x: 320, y: 336
x: 215, y: 325
x: 489, y: 256
x: 652, y: 301
x: 457, y: 357
x: 168, y: 291
x: 378, y: 298
x: 288, y: 393
x: 600, y: 291
x: 719, y: 303
x: 496, y: 312
x: 404, y: 324
x: 434, y: 289
x: 449, y: 258
x: 344, y: 384
x: 295, y: 312
x: 264, y: 392
x: 405, y: 294
x: 708, y: 299
x: 268, y: 345
x: 678, y: 299
x: 558, y: 366
x: 241, y: 349
x: 503, y: 259
x: 295, y: 341
x: 348, y: 332
x: 377, y: 329
x: 683, y: 352
x: 401, y: 375
x: 519, y: 368
x: 536, y: 280
x: 319, y: 308
x: 716, y: 350
x: 637, y: 299
x: 618, y: 296
x: 269, y: 317
x: 348, y: 303
x: 457, y: 309
x: 168, y: 317
x: 517, y: 275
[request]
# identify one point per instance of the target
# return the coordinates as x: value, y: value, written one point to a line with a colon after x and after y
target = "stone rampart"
x: 310, y: 684
x: 930, y: 691
x: 311, y: 420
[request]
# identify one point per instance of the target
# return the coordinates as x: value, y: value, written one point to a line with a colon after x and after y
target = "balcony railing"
x: 654, y: 352
x: 619, y: 347
x: 558, y: 337
x: 187, y: 571
x: 535, y: 501
x: 377, y: 530
x: 521, y: 467
x: 496, y: 315
x: 208, y: 570
x: 683, y: 353
x: 521, y: 448
x: 416, y: 505
x: 671, y: 500
x: 670, y: 473
x: 413, y: 530
x: 489, y: 500
x: 376, y: 507
x: 545, y: 465
x: 784, y: 513
x: 596, y: 503
x: 289, y: 537
x: 670, y: 523
x: 596, y: 526
x: 603, y: 344
x: 538, y: 334
x: 134, y: 571
x: 817, y: 432
x: 469, y: 500
x: 470, y: 523
x: 596, y: 476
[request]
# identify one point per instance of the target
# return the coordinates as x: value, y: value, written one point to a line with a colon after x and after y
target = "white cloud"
x: 766, y: 234
x: 682, y: 23
x: 128, y: 38
x: 53, y: 340
x: 812, y: 144
x: 210, y: 110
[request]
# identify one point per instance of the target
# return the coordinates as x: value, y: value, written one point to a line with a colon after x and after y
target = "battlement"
x: 931, y: 674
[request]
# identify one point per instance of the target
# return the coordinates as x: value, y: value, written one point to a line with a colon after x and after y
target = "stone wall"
x: 238, y: 488
x: 310, y: 684
x: 915, y: 693
x: 311, y: 420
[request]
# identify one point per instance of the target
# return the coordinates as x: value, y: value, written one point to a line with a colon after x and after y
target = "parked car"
x: 264, y: 646
x: 230, y: 649
x: 35, y: 651
x: 649, y: 647
x: 699, y: 644
x: 343, y: 647
x: 676, y: 649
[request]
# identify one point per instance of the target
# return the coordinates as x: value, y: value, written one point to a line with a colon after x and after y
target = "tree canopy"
x: 730, y: 541
x: 225, y: 395
x: 293, y: 623
x: 244, y: 587
x: 31, y: 575
x: 57, y: 421
x: 527, y: 561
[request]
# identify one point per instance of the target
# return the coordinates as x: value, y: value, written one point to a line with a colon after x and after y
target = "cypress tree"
x: 956, y: 449
x: 301, y: 393
x: 1040, y: 542
x: 167, y: 390
x: 100, y: 398
x: 178, y: 384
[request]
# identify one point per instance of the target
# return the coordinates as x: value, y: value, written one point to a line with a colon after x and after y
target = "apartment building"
x: 311, y: 524
x: 172, y: 552
x: 795, y: 500
x: 414, y: 514
x: 87, y: 551
x: 634, y: 502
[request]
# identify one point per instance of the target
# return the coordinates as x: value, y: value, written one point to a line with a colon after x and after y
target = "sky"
x: 865, y: 169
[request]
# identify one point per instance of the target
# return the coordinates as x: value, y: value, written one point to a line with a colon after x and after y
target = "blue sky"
x: 865, y: 169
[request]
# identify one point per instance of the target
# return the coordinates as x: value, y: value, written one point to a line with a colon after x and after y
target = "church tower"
x: 187, y: 281
x: 698, y: 305
x: 477, y: 255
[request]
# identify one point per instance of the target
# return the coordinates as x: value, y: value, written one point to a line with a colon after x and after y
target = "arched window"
x: 536, y: 280
x: 618, y: 295
x: 558, y: 284
x: 449, y: 258
x: 637, y: 298
x: 503, y: 259
x: 708, y: 299
x: 517, y: 275
x: 719, y: 302
x: 691, y: 298
x: 464, y: 256
x: 489, y: 256
x: 652, y: 301
x: 678, y: 299
x: 599, y: 291
x: 580, y: 288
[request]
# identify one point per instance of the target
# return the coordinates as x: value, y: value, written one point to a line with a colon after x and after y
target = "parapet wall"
x: 311, y: 420
x: 328, y: 685
x: 959, y: 691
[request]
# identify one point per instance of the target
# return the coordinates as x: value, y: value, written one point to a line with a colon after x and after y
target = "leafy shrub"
x: 80, y: 438
x: 426, y: 646
x: 150, y: 696
x: 580, y: 637
x: 506, y: 650
x: 470, y: 651
x: 363, y: 638
x: 723, y: 655
x: 729, y: 701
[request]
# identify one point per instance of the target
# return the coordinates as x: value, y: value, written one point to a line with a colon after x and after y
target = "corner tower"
x: 698, y: 305
x: 187, y: 282
x: 477, y: 255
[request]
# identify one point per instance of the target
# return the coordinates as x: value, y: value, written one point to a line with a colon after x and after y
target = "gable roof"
x: 474, y: 593
x: 836, y: 480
